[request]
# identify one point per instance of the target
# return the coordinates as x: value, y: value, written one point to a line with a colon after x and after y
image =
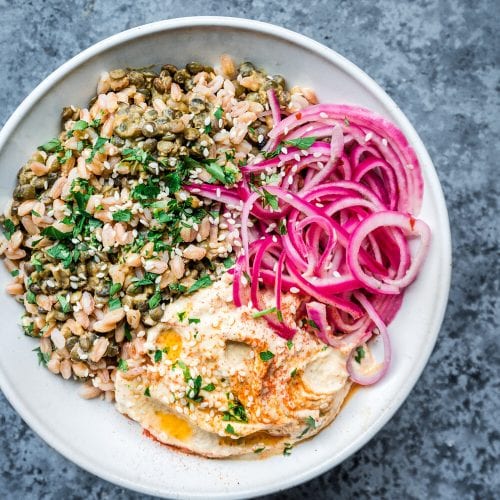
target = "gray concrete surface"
x: 440, y: 61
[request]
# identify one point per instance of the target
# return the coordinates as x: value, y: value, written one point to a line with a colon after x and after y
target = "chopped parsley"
x: 301, y: 142
x: 14, y: 272
x: 114, y: 303
x: 122, y: 215
x: 122, y: 365
x: 128, y: 335
x: 225, y: 174
x: 181, y: 315
x: 360, y: 354
x: 158, y: 355
x: 228, y: 263
x: 282, y: 227
x: 155, y: 300
x: 312, y: 324
x: 43, y: 357
x: 218, y: 113
x: 293, y: 373
x: 9, y: 228
x: 310, y: 424
x: 63, y: 302
x: 209, y: 387
x: 287, y: 450
x: 145, y: 192
x: 193, y: 320
x: 80, y: 125
x: 51, y: 146
x: 266, y: 355
x: 30, y: 297
x: 194, y: 384
x: 235, y: 412
x: 148, y: 279
x: 259, y: 450
x: 54, y: 234
x: 230, y: 429
x: 98, y: 146
x: 147, y: 392
x: 270, y: 200
x: 61, y: 252
x: 259, y: 314
x: 289, y: 344
x: 202, y: 282
x: 114, y: 289
x: 137, y: 154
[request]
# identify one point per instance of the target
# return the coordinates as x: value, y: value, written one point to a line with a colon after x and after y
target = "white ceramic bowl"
x: 95, y: 436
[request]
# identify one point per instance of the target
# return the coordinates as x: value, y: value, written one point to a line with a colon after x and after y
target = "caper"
x: 150, y: 114
x: 24, y: 192
x: 165, y: 147
x: 70, y: 342
x: 284, y: 97
x: 112, y: 351
x: 136, y: 78
x: 239, y: 90
x: 181, y: 77
x: 246, y: 69
x: 117, y: 141
x: 170, y: 68
x: 150, y: 145
x: 75, y: 353
x: 149, y: 129
x: 117, y: 74
x: 280, y: 80
x: 145, y: 92
x: 156, y: 313
x: 198, y: 120
x: 196, y: 105
x: 128, y: 130
x: 35, y: 288
x: 162, y: 83
x: 86, y: 342
x: 191, y: 134
x: 194, y: 67
x: 38, y: 182
x: 253, y: 96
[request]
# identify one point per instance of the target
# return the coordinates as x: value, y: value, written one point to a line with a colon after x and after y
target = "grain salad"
x: 101, y: 235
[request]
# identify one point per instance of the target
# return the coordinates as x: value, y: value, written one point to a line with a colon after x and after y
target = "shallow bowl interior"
x: 93, y: 434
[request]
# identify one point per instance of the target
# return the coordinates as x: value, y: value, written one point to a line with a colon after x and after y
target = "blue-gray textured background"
x: 440, y: 61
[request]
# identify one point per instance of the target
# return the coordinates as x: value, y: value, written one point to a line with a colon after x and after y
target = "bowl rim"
x: 366, y: 81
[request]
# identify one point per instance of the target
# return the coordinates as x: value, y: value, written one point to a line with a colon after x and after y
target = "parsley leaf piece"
x: 259, y: 450
x: 217, y: 172
x: 54, y: 234
x: 218, y: 113
x: 122, y: 365
x: 209, y: 387
x: 155, y: 300
x: 312, y: 324
x: 282, y: 227
x: 310, y: 424
x: 147, y: 392
x: 9, y: 228
x: 65, y: 305
x: 122, y: 215
x: 287, y: 450
x: 80, y: 125
x: 360, y: 354
x: 259, y: 314
x: 193, y: 320
x: 114, y: 304
x: 270, y: 199
x: 177, y: 288
x: 14, y: 272
x: 51, y: 146
x: 99, y: 143
x: 114, y: 289
x: 230, y: 429
x: 43, y: 357
x: 128, y: 335
x: 145, y: 192
x: 158, y: 355
x: 289, y: 344
x: 181, y: 315
x: 272, y: 154
x: 173, y: 182
x: 30, y: 297
x: 266, y: 355
x: 203, y: 282
x: 301, y: 142
x: 235, y: 412
x: 293, y: 373
x: 228, y: 263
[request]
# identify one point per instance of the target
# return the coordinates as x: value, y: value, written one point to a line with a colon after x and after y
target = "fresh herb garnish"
x: 148, y: 279
x: 114, y: 304
x: 128, y: 335
x: 259, y: 314
x: 51, y: 146
x: 147, y: 392
x: 218, y: 113
x: 287, y: 450
x: 114, y: 289
x: 266, y: 355
x: 54, y: 234
x: 61, y: 252
x: 193, y: 320
x: 14, y: 272
x: 80, y: 125
x: 43, y: 357
x: 122, y: 365
x: 99, y: 143
x: 282, y: 227
x: 30, y: 297
x: 310, y: 424
x: 360, y: 354
x: 63, y: 302
x: 155, y: 300
x: 259, y: 450
x: 230, y: 429
x: 158, y: 355
x: 145, y: 192
x: 181, y: 315
x: 122, y: 215
x: 312, y: 324
x: 209, y: 387
x: 289, y: 344
x: 293, y: 373
x: 9, y: 228
x: 235, y: 412
x: 228, y: 263
x: 270, y: 199
x: 203, y: 282
x: 301, y: 142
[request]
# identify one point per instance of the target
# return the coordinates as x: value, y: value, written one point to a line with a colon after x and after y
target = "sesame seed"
x: 294, y: 289
x: 368, y: 136
x: 323, y: 115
